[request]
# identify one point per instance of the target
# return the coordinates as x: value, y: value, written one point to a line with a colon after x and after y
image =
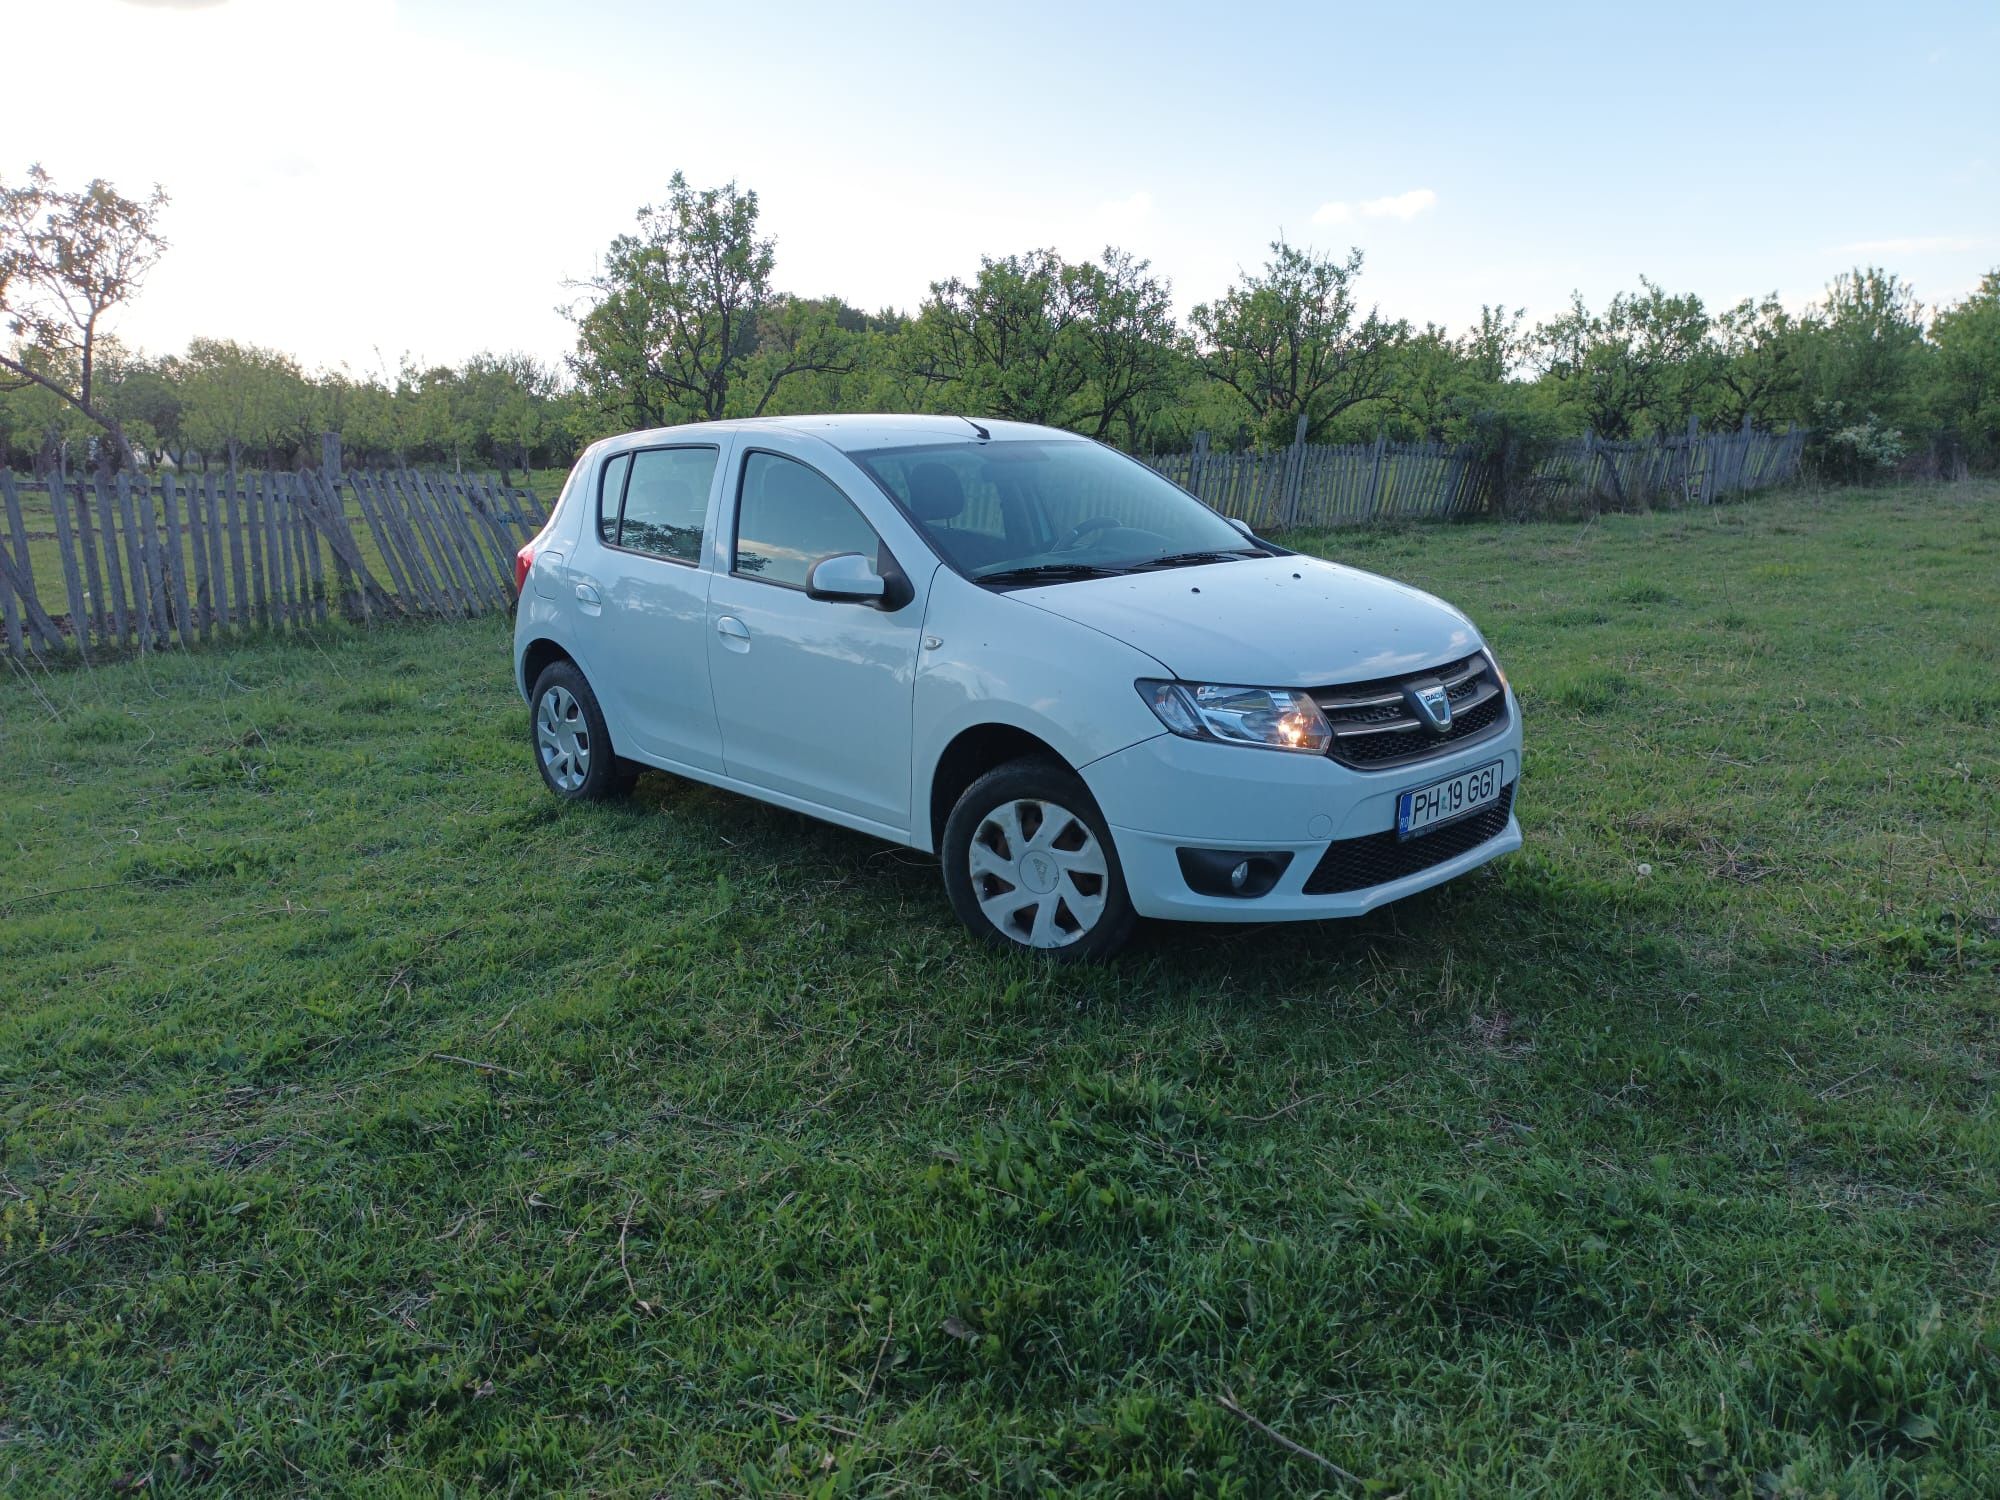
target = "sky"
x: 357, y: 180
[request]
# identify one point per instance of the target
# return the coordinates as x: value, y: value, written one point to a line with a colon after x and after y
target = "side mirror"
x: 1242, y: 526
x: 846, y: 577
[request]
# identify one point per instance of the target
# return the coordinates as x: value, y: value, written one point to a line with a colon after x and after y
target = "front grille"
x: 1378, y: 858
x: 1375, y: 729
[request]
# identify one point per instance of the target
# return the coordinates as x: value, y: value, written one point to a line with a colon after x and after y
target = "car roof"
x: 858, y: 432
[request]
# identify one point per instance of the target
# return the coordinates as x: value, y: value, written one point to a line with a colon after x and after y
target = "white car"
x: 1090, y: 695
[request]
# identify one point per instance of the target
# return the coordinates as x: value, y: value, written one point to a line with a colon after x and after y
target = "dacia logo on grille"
x: 1432, y: 704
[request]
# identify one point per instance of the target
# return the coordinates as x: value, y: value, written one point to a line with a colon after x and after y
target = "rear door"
x: 641, y: 600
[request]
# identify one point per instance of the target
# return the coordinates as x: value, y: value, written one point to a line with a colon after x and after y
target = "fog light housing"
x: 1242, y: 873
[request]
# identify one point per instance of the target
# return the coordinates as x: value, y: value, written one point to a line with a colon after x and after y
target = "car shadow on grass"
x: 1427, y: 941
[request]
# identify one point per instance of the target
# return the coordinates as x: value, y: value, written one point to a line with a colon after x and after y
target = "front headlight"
x: 1274, y: 718
x: 1499, y: 671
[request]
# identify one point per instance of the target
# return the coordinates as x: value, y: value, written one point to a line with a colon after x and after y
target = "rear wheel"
x: 1029, y: 864
x: 572, y: 746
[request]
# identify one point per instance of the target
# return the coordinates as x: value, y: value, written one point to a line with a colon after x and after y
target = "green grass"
x: 373, y: 1123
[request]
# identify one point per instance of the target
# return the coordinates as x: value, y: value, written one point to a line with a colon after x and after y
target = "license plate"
x: 1439, y: 803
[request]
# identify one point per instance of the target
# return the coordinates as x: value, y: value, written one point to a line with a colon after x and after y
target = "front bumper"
x: 1167, y: 793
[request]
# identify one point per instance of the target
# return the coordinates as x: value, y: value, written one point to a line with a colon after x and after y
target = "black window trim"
x: 736, y: 521
x: 633, y: 453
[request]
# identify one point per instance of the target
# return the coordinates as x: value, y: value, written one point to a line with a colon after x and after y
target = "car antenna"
x: 984, y: 435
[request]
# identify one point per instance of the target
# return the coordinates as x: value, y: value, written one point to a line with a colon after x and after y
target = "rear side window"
x: 666, y: 502
x: 789, y: 517
x: 611, y: 490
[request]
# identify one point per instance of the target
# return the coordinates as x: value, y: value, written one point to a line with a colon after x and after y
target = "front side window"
x: 666, y: 502
x: 789, y: 517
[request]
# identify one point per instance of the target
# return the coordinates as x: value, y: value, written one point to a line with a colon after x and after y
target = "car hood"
x: 1268, y: 621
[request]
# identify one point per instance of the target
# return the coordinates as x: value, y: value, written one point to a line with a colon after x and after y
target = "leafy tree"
x: 861, y: 369
x: 1967, y: 391
x: 1497, y: 345
x: 67, y: 261
x: 1087, y: 345
x: 1756, y: 365
x: 238, y: 398
x: 146, y: 398
x: 1429, y: 385
x: 1642, y: 364
x: 506, y: 408
x: 365, y: 415
x: 1864, y: 354
x: 1005, y: 344
x: 797, y: 337
x: 672, y: 319
x: 1293, y: 342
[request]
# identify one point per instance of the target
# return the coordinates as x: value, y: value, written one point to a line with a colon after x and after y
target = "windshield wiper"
x: 1183, y: 559
x: 1049, y: 570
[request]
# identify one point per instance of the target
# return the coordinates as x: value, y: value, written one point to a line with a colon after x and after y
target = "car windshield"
x: 1046, y: 511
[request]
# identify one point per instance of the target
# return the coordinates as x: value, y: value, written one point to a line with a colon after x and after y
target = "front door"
x: 812, y: 695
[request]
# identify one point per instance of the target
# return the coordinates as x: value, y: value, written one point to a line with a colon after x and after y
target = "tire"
x: 1030, y: 867
x: 569, y: 740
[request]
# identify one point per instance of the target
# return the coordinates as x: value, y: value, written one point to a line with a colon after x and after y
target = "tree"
x: 1292, y: 342
x: 145, y: 396
x: 1430, y: 384
x: 1035, y: 338
x: 1756, y: 366
x: 1644, y: 362
x: 508, y: 402
x: 1967, y: 391
x: 673, y: 317
x: 1495, y: 346
x: 1002, y: 345
x: 1135, y: 354
x: 1862, y: 357
x: 67, y: 260
x: 238, y: 398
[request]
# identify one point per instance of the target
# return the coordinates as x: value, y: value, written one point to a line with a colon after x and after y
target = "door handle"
x: 586, y: 593
x: 733, y: 629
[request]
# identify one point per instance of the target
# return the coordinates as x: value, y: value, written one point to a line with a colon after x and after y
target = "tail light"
x: 523, y: 560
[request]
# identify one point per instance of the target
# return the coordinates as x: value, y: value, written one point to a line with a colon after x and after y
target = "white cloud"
x: 1910, y: 245
x: 1405, y: 206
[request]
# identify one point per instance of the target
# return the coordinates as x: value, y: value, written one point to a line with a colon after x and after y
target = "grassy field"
x: 372, y: 1123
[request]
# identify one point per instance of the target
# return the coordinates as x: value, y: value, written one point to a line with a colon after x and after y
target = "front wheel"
x: 1029, y: 864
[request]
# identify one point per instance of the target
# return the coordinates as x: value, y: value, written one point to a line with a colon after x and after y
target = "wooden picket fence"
x: 115, y: 563
x: 109, y: 563
x: 1334, y: 484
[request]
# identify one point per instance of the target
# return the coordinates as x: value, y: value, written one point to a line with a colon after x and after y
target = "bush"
x: 1856, y: 451
x: 1514, y: 444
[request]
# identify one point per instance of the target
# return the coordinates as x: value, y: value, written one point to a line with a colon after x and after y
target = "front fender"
x: 1001, y: 662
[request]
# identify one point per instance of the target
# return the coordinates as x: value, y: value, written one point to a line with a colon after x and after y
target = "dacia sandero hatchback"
x: 1091, y: 696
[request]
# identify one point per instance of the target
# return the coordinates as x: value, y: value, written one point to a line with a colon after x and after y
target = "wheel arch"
x: 971, y: 753
x: 536, y: 657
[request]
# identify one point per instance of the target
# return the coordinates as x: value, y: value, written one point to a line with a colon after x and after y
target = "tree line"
x: 683, y: 320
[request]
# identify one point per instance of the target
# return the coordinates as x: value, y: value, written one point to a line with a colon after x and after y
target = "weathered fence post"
x: 1295, y: 457
x: 1375, y: 473
x: 1693, y: 487
x: 1198, y: 463
x: 352, y: 606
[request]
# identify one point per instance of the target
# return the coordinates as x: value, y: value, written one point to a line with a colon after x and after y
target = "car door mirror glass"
x: 848, y: 576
